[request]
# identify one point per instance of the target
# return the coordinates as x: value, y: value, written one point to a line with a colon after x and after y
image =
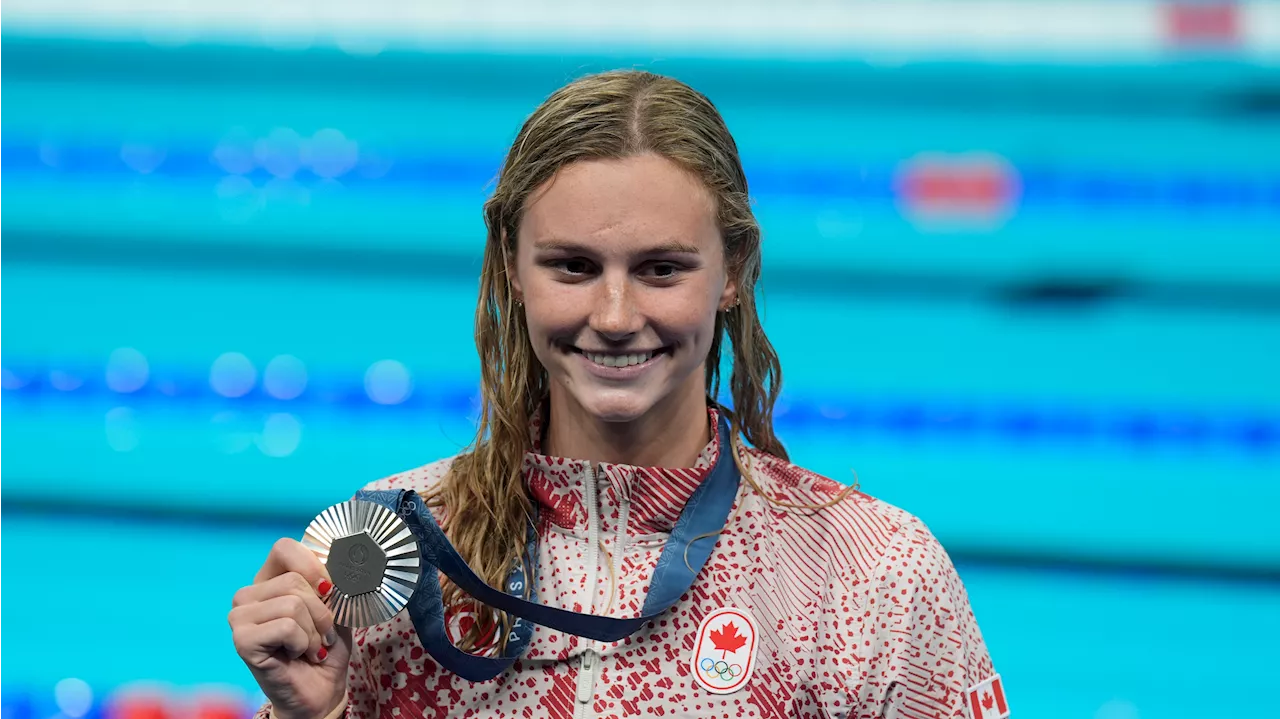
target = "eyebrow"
x: 668, y: 247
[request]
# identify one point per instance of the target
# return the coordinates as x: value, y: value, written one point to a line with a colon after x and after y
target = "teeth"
x: 620, y: 360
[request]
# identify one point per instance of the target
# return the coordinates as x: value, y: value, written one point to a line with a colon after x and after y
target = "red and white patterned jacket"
x: 858, y: 609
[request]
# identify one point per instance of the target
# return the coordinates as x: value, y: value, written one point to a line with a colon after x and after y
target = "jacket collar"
x: 656, y: 495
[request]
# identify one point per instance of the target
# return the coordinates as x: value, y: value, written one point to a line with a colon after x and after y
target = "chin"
x: 616, y: 407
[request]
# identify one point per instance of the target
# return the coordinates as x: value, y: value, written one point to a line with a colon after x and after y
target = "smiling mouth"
x: 620, y: 360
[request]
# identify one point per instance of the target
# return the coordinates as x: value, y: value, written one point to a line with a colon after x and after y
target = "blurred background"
x: 1022, y: 265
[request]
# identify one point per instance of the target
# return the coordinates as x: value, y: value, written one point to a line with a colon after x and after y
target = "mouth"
x: 620, y: 360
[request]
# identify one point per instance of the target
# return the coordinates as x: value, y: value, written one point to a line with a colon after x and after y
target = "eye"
x: 664, y: 270
x: 574, y: 266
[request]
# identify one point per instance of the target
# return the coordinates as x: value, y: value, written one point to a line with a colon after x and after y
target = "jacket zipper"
x: 588, y: 666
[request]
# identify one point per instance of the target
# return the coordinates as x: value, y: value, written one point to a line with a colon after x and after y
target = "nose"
x: 615, y: 315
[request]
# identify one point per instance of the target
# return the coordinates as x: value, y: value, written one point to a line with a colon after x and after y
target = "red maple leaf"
x: 727, y: 639
x: 987, y: 700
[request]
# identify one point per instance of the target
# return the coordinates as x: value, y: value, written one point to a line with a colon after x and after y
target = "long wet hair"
x: 612, y: 115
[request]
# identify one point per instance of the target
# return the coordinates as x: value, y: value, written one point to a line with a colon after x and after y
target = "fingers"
x: 291, y: 609
x: 289, y: 555
x: 257, y: 643
x: 299, y: 599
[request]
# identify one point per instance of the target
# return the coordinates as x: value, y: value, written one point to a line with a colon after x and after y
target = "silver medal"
x: 372, y: 558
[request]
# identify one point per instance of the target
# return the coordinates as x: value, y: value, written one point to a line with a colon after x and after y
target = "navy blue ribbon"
x: 693, y: 537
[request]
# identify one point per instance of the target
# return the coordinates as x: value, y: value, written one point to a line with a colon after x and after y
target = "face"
x: 621, y: 269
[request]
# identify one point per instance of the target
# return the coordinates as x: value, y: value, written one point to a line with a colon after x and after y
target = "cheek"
x: 688, y: 320
x: 543, y: 323
x: 550, y: 322
x: 547, y: 308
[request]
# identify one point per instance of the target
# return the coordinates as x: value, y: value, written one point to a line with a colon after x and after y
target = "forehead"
x: 620, y: 206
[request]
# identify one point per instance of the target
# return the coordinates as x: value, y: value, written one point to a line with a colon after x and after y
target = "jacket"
x: 857, y: 608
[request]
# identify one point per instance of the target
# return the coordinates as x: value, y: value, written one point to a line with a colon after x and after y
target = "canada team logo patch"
x: 986, y: 699
x: 725, y: 652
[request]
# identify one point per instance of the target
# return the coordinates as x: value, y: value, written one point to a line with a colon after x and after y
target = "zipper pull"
x: 586, y: 682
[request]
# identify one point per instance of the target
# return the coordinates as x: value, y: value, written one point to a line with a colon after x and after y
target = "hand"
x: 285, y: 634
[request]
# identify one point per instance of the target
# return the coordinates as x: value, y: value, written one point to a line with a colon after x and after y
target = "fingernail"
x: 330, y: 637
x: 325, y: 586
x: 320, y: 655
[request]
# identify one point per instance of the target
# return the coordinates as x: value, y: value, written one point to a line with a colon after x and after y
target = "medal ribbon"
x: 704, y: 514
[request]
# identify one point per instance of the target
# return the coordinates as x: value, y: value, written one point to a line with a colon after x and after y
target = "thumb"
x: 344, y: 635
x: 344, y: 641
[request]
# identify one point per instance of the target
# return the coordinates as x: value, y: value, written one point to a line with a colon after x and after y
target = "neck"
x: 669, y: 435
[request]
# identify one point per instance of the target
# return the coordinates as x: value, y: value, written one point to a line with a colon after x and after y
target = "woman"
x: 621, y: 251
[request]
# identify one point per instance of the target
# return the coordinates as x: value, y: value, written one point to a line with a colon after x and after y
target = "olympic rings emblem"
x: 721, y: 669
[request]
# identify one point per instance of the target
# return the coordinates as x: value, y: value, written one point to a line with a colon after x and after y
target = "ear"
x: 509, y: 266
x: 729, y: 297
